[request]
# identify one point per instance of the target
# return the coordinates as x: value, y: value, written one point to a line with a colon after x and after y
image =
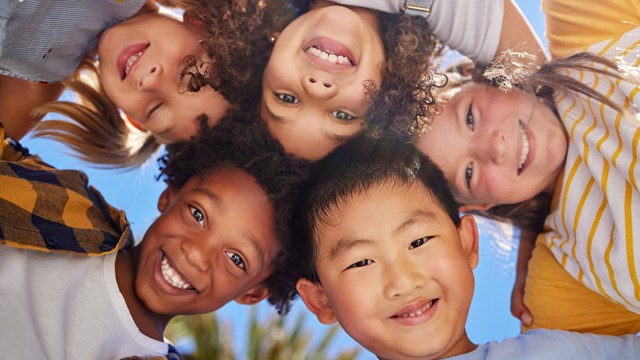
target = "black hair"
x: 242, y: 140
x: 354, y: 168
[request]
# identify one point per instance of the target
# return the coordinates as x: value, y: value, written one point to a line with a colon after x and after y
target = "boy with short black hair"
x: 221, y: 236
x: 381, y: 249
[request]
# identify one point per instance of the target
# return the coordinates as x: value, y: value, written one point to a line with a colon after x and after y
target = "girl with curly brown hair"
x: 335, y: 70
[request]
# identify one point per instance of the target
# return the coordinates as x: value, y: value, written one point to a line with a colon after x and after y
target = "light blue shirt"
x: 558, y: 344
x: 45, y: 40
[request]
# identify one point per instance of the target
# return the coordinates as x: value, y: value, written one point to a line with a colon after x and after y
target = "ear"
x: 479, y: 207
x: 469, y: 238
x: 165, y: 198
x: 192, y: 21
x: 253, y: 295
x: 316, y: 300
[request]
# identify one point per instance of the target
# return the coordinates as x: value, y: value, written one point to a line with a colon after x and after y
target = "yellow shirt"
x: 574, y: 25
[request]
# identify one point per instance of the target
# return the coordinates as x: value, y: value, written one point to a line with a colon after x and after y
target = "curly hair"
x: 242, y: 140
x: 404, y: 103
x: 244, y: 48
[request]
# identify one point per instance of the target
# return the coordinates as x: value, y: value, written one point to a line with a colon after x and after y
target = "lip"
x: 163, y: 285
x: 125, y: 54
x: 332, y: 46
x: 532, y: 149
x: 414, y: 307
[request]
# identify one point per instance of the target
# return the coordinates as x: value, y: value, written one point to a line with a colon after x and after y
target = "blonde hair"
x: 95, y: 129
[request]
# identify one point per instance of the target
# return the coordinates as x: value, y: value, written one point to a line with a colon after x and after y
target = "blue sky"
x: 137, y: 192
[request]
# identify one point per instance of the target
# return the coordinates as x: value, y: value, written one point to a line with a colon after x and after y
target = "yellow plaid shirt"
x: 47, y: 209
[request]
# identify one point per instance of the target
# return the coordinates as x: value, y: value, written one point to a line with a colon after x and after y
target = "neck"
x: 369, y: 16
x: 148, y: 322
x: 462, y: 346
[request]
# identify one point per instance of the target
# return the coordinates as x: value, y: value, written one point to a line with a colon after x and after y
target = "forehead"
x: 381, y: 209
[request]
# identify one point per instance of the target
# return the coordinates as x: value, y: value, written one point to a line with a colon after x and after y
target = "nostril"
x: 312, y: 80
x: 153, y: 69
x: 327, y: 85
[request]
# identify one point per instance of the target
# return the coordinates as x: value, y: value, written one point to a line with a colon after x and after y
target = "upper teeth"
x: 328, y: 55
x: 419, y: 311
x: 172, y: 277
x: 131, y: 60
x: 525, y: 146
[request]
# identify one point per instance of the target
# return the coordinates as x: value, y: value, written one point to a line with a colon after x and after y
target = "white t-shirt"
x: 558, y: 344
x: 61, y: 306
x: 470, y: 26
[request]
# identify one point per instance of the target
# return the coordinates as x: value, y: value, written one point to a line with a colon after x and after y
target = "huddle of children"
x: 230, y: 227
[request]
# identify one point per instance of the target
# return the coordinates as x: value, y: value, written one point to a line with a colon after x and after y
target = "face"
x: 213, y: 242
x: 495, y: 147
x: 313, y: 96
x: 399, y: 281
x: 142, y: 71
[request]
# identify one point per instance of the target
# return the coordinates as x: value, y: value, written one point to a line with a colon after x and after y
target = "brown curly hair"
x: 242, y: 140
x: 243, y: 47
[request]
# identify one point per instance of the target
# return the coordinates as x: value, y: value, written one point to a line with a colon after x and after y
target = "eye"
x: 419, y: 242
x: 153, y: 109
x: 470, y: 120
x: 237, y: 260
x: 468, y: 175
x: 341, y: 115
x: 360, y: 263
x: 197, y: 215
x: 287, y: 98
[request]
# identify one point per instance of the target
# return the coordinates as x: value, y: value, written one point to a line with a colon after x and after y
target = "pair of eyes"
x: 468, y: 172
x: 338, y: 114
x: 235, y: 258
x: 414, y: 244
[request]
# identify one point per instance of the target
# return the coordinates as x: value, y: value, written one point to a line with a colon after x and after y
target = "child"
x: 313, y: 84
x: 574, y: 137
x: 149, y: 73
x: 382, y: 250
x: 221, y: 236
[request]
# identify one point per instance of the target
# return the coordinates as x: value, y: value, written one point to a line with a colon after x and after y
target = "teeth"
x: 172, y: 277
x: 419, y: 311
x: 131, y: 60
x: 525, y: 146
x: 328, y: 55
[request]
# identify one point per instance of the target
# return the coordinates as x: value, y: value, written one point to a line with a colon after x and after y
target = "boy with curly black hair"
x: 381, y: 248
x: 220, y: 236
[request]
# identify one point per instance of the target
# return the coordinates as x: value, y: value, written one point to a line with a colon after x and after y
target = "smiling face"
x: 495, y: 147
x: 214, y: 242
x: 142, y: 71
x: 399, y: 281
x: 313, y: 95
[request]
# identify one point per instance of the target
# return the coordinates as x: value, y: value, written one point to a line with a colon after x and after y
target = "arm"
x: 517, y: 34
x: 525, y: 248
x: 18, y: 98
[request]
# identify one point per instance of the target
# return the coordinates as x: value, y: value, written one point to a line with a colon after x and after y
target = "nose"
x: 494, y: 147
x: 197, y: 253
x: 150, y: 78
x: 402, y: 280
x: 321, y: 88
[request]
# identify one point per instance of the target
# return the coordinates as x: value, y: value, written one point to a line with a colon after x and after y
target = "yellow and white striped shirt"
x: 594, y: 226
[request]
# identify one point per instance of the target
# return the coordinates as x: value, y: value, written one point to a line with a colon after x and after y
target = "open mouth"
x: 417, y: 312
x: 328, y: 53
x: 524, y: 154
x: 172, y: 277
x: 129, y: 57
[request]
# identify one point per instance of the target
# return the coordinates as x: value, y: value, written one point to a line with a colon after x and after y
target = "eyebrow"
x: 212, y: 196
x: 255, y: 244
x: 277, y: 118
x: 414, y: 217
x: 345, y: 245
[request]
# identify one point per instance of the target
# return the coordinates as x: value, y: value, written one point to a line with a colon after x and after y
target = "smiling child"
x: 382, y: 249
x: 221, y: 236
